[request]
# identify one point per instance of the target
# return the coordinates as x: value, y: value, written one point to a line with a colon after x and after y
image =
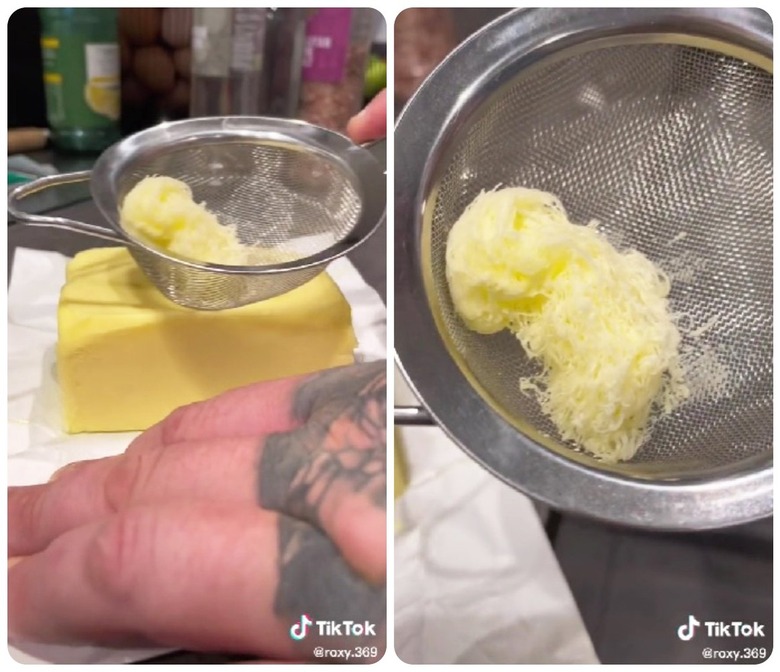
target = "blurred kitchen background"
x: 633, y: 588
x: 80, y: 79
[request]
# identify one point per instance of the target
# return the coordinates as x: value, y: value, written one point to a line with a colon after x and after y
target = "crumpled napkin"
x: 37, y: 444
x: 476, y: 580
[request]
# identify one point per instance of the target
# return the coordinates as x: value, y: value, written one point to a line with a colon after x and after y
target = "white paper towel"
x: 37, y: 444
x: 476, y: 580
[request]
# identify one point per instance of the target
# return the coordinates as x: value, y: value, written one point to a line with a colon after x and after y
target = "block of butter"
x: 127, y: 356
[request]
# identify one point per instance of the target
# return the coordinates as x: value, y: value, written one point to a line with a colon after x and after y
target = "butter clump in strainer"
x: 161, y: 210
x: 596, y: 318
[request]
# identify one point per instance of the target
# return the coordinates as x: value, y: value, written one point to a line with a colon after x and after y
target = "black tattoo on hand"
x: 339, y: 450
x: 337, y: 453
x: 314, y: 579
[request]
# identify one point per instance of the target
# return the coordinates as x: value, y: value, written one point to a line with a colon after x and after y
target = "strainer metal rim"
x: 481, y: 65
x: 358, y: 160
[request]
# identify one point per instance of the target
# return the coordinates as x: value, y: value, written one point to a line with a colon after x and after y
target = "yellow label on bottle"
x: 102, y: 90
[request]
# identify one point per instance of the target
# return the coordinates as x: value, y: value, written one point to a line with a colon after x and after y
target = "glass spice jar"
x: 337, y: 48
x: 229, y: 70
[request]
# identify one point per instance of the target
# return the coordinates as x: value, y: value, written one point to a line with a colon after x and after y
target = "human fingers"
x: 371, y: 122
x: 331, y: 469
x: 253, y: 410
x: 196, y: 575
x: 83, y: 492
x: 220, y: 470
x: 324, y: 463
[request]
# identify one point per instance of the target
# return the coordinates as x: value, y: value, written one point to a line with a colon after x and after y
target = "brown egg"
x: 177, y: 101
x: 133, y: 92
x: 182, y: 61
x: 177, y: 27
x: 153, y: 68
x: 140, y: 26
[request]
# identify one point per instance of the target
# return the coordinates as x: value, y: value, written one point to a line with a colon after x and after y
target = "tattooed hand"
x: 218, y: 528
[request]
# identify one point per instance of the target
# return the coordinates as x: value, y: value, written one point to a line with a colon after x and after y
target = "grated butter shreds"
x: 162, y: 210
x: 597, y: 318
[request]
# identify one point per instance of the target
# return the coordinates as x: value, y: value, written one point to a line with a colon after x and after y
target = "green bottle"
x: 81, y: 74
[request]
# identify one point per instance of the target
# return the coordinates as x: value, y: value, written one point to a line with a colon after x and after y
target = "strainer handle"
x: 412, y: 415
x: 21, y: 192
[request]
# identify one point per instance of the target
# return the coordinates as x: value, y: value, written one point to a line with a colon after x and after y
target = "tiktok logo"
x: 687, y: 630
x: 299, y: 630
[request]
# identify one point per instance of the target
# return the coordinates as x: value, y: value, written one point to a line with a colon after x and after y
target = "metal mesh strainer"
x: 285, y: 185
x: 657, y: 123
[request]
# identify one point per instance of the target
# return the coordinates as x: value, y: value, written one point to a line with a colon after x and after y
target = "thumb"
x: 371, y: 122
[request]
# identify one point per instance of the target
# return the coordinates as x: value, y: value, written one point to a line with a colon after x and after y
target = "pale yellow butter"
x: 127, y: 356
x: 161, y: 210
x: 596, y: 318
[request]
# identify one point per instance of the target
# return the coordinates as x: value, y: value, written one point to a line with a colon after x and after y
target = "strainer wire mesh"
x: 669, y: 147
x: 276, y: 195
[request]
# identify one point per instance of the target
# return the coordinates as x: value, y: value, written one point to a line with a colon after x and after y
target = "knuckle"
x: 174, y: 424
x: 28, y: 510
x: 115, y: 559
x: 126, y: 479
x: 179, y: 424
